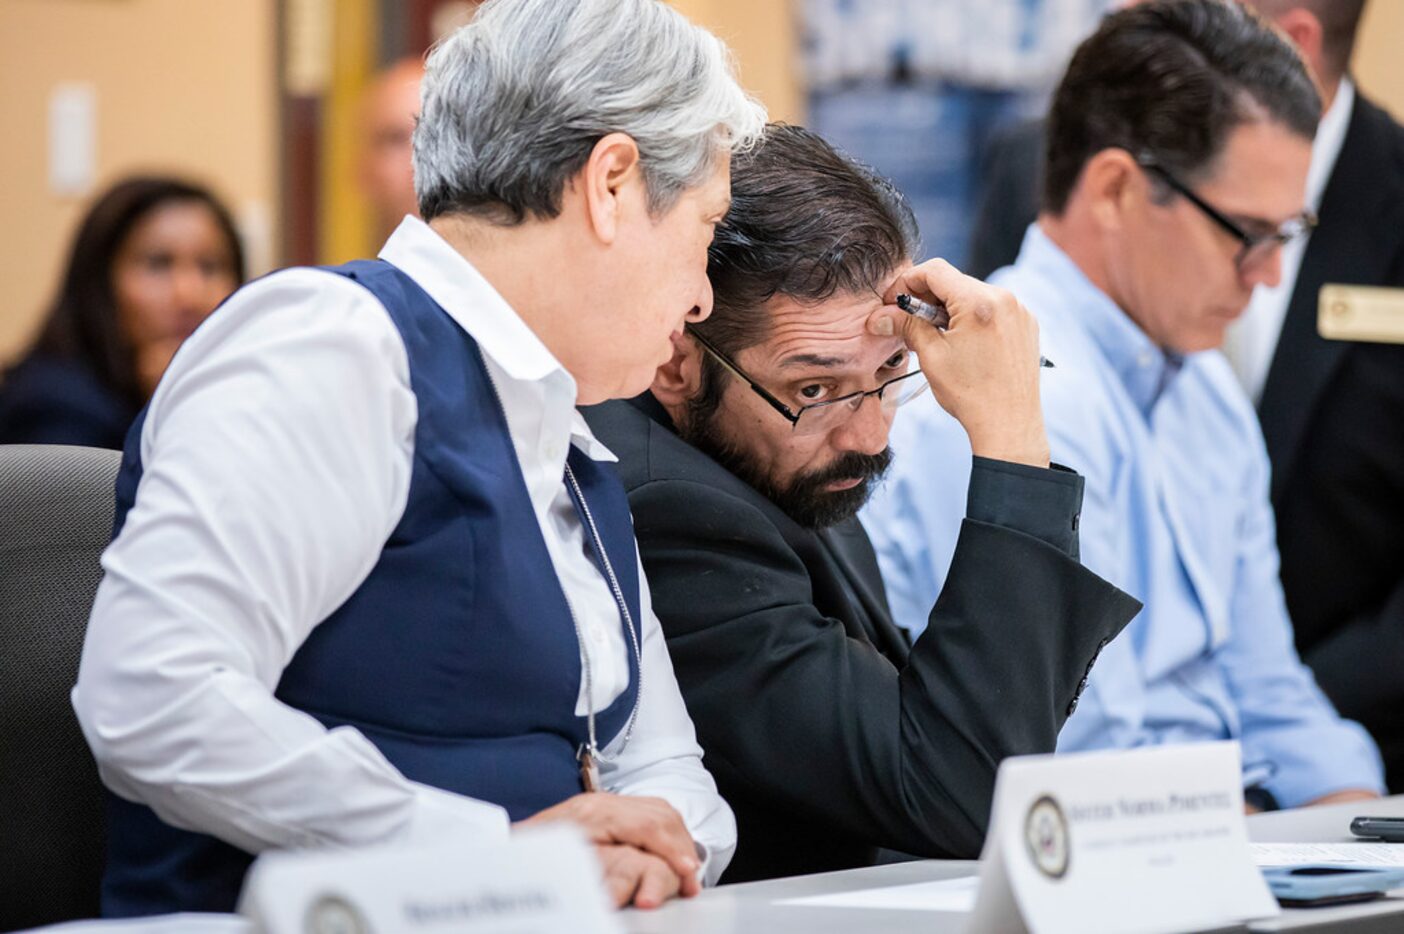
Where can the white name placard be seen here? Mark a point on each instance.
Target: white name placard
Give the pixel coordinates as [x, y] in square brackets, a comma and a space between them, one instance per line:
[545, 880]
[1136, 842]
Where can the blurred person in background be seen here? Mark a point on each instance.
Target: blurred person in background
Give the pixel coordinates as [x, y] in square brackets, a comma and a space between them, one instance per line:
[151, 260]
[386, 172]
[1179, 143]
[916, 88]
[1331, 411]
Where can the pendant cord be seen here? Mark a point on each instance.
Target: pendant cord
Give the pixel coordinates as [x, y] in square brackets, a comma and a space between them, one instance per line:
[624, 613]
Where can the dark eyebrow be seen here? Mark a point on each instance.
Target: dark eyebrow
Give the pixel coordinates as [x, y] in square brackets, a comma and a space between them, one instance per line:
[814, 359]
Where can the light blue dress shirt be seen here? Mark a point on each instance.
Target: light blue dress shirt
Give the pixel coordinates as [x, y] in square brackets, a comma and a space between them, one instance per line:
[1175, 512]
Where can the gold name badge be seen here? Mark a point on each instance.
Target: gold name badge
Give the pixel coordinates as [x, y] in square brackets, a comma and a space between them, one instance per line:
[1360, 313]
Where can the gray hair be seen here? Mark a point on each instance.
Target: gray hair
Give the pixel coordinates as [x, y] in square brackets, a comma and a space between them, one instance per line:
[514, 102]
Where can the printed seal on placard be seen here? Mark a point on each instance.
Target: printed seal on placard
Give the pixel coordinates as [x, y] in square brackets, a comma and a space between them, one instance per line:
[1046, 837]
[334, 914]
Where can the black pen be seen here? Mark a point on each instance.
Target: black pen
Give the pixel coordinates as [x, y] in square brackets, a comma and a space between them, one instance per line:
[939, 317]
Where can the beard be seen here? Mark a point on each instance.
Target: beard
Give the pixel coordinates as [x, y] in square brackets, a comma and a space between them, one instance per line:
[804, 498]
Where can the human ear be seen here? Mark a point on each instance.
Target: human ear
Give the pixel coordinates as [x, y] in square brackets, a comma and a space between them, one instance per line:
[679, 380]
[1111, 181]
[610, 173]
[1304, 30]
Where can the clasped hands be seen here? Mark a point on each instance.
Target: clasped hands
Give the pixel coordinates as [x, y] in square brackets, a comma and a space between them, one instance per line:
[644, 847]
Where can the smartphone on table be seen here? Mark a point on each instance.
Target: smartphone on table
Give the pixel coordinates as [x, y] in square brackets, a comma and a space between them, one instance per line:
[1388, 829]
[1325, 884]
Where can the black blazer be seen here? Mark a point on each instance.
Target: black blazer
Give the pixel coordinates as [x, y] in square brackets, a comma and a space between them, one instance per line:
[827, 734]
[1333, 416]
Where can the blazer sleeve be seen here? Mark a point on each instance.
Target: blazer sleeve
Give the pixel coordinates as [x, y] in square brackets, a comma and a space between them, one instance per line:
[795, 710]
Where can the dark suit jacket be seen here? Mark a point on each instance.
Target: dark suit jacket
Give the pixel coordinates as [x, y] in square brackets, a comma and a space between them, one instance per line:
[47, 400]
[1333, 416]
[826, 733]
[1010, 192]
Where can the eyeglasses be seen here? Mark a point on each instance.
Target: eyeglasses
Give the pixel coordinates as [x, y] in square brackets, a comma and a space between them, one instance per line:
[819, 418]
[1253, 249]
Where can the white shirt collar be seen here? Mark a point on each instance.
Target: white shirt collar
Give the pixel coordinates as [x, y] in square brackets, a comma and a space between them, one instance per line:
[472, 302]
[1330, 137]
[469, 299]
[582, 437]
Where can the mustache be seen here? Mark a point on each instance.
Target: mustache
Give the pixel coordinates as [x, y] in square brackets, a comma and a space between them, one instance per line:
[851, 466]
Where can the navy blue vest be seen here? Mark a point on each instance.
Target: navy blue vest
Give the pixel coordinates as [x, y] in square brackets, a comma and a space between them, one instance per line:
[457, 657]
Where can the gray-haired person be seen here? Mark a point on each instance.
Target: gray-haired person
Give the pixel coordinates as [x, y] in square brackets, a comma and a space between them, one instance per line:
[372, 579]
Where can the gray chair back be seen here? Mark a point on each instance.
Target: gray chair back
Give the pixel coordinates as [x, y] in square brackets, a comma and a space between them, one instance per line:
[56, 508]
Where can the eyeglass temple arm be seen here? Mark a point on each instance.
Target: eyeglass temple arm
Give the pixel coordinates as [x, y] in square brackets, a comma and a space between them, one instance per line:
[757, 388]
[1184, 191]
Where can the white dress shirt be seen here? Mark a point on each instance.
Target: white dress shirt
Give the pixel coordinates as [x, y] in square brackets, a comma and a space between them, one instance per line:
[277, 454]
[1251, 341]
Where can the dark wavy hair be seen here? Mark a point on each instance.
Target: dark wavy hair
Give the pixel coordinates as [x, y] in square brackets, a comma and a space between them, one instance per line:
[82, 324]
[806, 222]
[1171, 79]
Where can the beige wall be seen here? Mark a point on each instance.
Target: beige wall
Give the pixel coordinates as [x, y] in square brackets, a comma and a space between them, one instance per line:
[1379, 66]
[762, 35]
[182, 85]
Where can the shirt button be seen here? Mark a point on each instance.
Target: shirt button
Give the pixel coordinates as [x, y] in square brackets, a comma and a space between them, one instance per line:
[1145, 358]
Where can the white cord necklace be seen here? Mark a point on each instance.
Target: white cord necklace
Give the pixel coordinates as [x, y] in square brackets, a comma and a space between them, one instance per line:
[589, 753]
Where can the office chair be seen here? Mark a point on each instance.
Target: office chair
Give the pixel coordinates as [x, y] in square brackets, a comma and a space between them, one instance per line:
[56, 508]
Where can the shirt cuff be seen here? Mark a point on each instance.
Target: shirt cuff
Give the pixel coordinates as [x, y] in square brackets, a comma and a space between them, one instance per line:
[705, 865]
[1317, 762]
[1045, 502]
[444, 817]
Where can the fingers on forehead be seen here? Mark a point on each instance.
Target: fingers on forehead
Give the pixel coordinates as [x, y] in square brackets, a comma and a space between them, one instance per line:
[934, 278]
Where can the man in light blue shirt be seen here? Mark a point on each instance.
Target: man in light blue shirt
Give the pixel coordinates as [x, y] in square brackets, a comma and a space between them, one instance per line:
[1178, 149]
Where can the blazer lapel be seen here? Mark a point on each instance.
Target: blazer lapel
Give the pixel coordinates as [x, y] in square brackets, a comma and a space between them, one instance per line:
[1303, 362]
[1349, 246]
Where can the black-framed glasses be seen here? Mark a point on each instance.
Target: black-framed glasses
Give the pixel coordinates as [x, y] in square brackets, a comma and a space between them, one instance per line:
[1253, 248]
[822, 417]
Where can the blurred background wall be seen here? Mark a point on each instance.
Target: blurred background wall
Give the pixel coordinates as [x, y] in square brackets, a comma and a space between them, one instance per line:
[259, 99]
[1378, 63]
[184, 86]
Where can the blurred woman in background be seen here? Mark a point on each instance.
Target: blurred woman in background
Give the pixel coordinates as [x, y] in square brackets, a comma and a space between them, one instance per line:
[152, 259]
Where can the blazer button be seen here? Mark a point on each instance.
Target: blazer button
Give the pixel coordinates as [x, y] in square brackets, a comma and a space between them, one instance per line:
[1077, 519]
[1072, 704]
[1092, 661]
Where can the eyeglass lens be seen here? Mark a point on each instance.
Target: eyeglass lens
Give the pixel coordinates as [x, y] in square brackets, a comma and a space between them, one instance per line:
[823, 417]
